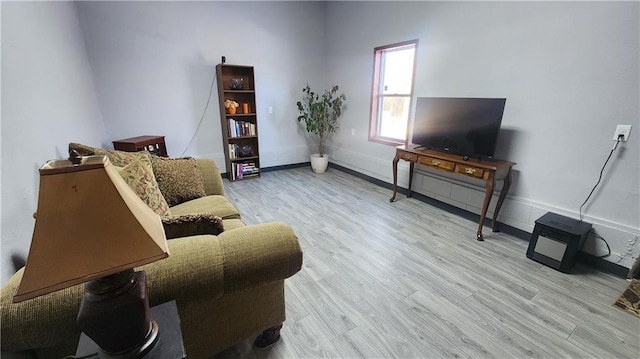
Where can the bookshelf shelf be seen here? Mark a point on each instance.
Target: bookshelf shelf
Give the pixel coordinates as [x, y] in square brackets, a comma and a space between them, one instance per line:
[241, 137]
[240, 115]
[239, 130]
[239, 91]
[241, 159]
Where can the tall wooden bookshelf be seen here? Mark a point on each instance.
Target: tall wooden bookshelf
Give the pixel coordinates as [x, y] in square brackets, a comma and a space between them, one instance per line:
[239, 130]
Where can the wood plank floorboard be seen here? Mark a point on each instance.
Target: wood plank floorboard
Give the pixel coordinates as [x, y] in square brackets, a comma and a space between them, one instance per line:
[409, 280]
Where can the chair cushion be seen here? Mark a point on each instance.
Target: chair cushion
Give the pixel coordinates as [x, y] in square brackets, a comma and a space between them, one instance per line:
[139, 176]
[216, 204]
[179, 179]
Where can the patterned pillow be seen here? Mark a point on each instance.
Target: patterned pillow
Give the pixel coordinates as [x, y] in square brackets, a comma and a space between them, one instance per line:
[178, 178]
[117, 158]
[122, 158]
[139, 176]
[192, 225]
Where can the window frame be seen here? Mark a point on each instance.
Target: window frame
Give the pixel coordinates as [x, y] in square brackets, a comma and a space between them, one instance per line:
[376, 95]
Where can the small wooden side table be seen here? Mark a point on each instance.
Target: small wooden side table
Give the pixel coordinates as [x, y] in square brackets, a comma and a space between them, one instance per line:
[168, 346]
[153, 144]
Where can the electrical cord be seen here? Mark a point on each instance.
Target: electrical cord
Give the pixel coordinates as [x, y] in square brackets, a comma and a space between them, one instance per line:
[599, 178]
[605, 242]
[201, 117]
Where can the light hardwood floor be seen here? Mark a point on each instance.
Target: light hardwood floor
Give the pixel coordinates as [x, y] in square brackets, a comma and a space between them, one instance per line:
[407, 280]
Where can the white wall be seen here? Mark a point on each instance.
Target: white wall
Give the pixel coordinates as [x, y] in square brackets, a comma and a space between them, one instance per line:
[48, 100]
[154, 63]
[569, 71]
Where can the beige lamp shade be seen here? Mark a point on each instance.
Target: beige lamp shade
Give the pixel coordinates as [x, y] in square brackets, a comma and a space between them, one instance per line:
[89, 224]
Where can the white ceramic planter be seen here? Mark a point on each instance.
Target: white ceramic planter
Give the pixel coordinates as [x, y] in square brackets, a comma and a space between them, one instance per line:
[319, 164]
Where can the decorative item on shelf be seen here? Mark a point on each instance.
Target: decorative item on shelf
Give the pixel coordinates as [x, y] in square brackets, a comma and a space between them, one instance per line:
[245, 108]
[246, 151]
[320, 114]
[231, 106]
[102, 249]
[236, 84]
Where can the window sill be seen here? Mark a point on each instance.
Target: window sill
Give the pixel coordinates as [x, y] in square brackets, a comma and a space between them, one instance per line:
[386, 141]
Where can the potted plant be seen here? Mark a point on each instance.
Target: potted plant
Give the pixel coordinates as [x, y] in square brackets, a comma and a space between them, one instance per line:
[320, 114]
[231, 106]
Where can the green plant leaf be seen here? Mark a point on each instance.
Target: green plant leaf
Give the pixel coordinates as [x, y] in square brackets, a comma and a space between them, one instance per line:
[320, 113]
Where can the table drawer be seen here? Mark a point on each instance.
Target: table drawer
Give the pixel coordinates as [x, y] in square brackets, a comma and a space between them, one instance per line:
[435, 162]
[408, 156]
[470, 171]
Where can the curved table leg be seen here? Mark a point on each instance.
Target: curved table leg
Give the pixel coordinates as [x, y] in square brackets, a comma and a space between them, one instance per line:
[503, 194]
[490, 184]
[395, 176]
[411, 166]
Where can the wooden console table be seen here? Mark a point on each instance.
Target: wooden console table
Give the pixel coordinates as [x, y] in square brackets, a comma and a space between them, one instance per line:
[489, 170]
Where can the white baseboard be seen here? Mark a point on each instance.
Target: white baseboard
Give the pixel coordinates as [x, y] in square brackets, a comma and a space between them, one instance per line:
[517, 212]
[269, 158]
[467, 194]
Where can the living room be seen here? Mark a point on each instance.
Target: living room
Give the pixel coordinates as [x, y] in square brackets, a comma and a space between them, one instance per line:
[94, 72]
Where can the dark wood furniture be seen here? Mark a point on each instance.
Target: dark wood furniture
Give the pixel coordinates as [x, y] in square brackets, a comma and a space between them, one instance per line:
[153, 144]
[489, 170]
[239, 129]
[169, 344]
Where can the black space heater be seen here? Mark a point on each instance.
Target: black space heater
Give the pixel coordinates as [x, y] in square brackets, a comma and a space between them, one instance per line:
[556, 240]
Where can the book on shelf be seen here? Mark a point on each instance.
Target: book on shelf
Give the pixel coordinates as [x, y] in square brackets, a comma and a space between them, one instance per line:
[232, 151]
[241, 128]
[240, 170]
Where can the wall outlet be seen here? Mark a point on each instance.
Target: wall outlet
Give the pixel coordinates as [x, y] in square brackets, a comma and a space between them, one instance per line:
[270, 109]
[353, 132]
[623, 130]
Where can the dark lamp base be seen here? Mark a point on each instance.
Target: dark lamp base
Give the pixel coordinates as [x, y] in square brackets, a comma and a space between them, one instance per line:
[115, 314]
[137, 352]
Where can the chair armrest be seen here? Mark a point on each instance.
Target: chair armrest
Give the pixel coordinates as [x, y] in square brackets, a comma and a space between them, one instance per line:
[40, 322]
[211, 176]
[233, 261]
[259, 254]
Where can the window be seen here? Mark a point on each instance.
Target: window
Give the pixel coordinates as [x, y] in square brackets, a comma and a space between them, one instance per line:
[394, 69]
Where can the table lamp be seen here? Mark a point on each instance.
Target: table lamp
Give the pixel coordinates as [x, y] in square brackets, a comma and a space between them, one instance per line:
[91, 227]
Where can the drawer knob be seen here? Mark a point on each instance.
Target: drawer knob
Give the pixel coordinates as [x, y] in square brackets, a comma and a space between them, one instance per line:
[407, 156]
[435, 162]
[470, 170]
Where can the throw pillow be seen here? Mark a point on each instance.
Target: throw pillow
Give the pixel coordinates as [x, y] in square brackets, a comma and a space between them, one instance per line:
[122, 158]
[117, 158]
[83, 150]
[178, 178]
[139, 176]
[192, 225]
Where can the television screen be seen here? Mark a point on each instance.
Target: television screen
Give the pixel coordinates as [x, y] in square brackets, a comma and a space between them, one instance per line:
[464, 126]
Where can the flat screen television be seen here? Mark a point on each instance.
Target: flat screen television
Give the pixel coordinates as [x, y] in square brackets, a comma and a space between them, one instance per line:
[464, 126]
